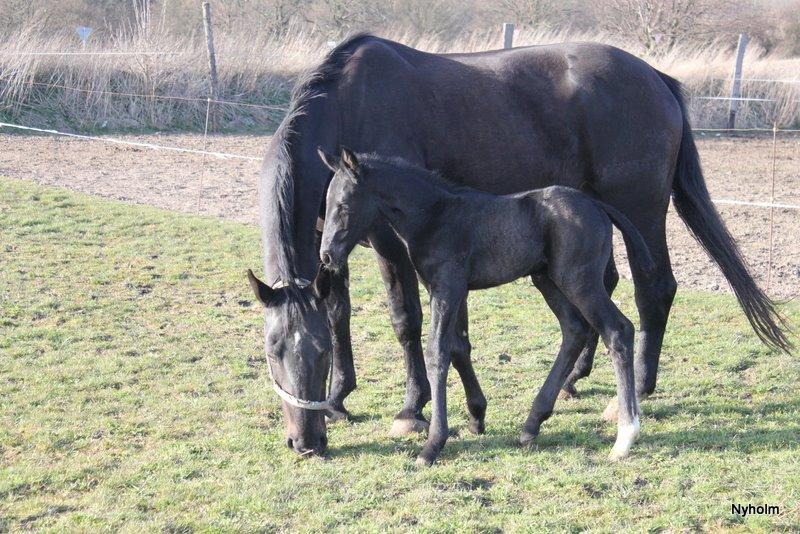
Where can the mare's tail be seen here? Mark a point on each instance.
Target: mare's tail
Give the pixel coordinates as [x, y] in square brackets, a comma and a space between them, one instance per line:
[694, 206]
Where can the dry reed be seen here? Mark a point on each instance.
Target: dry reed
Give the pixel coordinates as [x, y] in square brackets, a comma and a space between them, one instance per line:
[259, 69]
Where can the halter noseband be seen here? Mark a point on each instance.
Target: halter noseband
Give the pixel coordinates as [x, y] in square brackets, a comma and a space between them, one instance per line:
[287, 397]
[291, 400]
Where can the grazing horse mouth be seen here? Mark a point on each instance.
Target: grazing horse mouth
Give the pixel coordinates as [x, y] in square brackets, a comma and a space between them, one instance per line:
[309, 453]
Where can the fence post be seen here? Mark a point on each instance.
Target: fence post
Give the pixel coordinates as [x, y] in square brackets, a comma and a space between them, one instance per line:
[212, 57]
[736, 86]
[508, 35]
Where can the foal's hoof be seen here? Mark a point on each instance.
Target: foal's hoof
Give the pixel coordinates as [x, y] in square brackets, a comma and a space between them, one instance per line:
[611, 411]
[335, 414]
[616, 456]
[406, 427]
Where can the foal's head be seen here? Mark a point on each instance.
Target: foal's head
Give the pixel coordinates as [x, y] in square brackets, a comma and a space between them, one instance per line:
[350, 209]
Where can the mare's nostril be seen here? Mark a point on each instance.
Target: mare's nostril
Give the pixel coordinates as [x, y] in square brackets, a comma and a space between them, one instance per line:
[289, 443]
[326, 258]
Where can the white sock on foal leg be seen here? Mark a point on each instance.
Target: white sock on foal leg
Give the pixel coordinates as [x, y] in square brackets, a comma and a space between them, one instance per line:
[626, 435]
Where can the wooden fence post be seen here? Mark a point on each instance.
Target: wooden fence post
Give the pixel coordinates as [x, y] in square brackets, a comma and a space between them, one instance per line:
[508, 35]
[736, 86]
[212, 57]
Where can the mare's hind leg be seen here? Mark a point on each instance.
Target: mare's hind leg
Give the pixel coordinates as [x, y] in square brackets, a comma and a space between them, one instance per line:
[575, 331]
[617, 334]
[476, 401]
[400, 280]
[585, 361]
[654, 295]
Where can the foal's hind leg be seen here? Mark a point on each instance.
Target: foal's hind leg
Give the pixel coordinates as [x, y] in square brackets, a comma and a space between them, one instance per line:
[476, 401]
[574, 331]
[586, 360]
[617, 333]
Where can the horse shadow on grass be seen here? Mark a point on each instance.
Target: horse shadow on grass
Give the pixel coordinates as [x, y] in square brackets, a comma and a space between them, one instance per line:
[748, 430]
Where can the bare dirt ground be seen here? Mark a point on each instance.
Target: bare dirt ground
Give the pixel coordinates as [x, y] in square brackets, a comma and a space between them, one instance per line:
[736, 168]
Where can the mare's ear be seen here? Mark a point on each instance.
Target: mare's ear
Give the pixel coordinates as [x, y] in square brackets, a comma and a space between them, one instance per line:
[349, 160]
[328, 159]
[263, 292]
[322, 283]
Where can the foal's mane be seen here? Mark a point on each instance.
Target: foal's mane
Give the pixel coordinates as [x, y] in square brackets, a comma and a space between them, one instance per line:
[310, 85]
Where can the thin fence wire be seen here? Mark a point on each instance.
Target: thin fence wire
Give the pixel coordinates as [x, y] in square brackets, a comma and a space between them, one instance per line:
[220, 155]
[737, 98]
[205, 148]
[159, 97]
[772, 199]
[780, 130]
[756, 80]
[225, 155]
[109, 53]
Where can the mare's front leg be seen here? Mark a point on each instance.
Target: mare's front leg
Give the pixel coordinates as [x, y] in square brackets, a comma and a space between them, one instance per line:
[446, 302]
[400, 280]
[343, 379]
[575, 332]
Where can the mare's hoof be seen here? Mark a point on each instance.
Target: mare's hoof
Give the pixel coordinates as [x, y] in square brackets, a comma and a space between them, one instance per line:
[337, 414]
[526, 438]
[610, 413]
[423, 461]
[476, 427]
[568, 392]
[406, 427]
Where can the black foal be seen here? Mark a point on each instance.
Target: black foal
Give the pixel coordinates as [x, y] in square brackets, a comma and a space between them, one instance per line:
[460, 239]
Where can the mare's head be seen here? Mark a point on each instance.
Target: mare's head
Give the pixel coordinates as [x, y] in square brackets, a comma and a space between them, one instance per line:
[297, 343]
[350, 209]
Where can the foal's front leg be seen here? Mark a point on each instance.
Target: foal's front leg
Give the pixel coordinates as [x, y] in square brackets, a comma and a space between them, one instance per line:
[445, 305]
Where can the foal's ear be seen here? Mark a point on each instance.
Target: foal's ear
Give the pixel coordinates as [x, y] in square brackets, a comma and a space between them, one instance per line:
[328, 159]
[322, 283]
[263, 292]
[349, 159]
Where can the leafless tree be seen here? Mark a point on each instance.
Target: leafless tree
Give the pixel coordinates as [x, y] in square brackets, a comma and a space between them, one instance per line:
[533, 13]
[655, 24]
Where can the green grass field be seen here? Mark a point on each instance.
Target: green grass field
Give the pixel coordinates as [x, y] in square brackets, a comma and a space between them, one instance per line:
[134, 396]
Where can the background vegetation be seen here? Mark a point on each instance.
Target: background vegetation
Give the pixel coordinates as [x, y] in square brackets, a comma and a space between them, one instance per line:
[263, 44]
[135, 398]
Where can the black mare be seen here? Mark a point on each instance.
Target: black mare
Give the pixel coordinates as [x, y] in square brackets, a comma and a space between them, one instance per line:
[459, 239]
[581, 115]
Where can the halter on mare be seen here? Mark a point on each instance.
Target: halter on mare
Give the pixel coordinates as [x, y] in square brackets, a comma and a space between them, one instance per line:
[287, 397]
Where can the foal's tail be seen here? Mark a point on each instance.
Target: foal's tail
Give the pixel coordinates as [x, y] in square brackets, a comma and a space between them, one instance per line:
[638, 252]
[693, 204]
